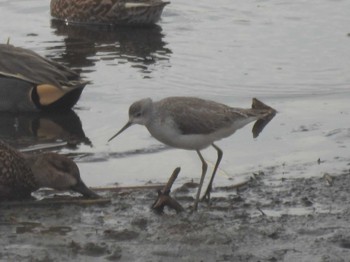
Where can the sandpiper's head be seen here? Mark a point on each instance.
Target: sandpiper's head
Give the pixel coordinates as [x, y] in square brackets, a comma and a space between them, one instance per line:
[139, 113]
[58, 172]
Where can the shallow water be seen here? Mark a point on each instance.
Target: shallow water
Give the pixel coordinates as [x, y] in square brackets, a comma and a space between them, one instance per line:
[293, 55]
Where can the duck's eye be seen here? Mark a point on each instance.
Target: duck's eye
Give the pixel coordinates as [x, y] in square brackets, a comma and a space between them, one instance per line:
[138, 114]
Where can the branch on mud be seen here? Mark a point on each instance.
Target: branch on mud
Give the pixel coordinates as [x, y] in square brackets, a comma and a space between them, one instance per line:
[329, 179]
[121, 188]
[57, 201]
[164, 198]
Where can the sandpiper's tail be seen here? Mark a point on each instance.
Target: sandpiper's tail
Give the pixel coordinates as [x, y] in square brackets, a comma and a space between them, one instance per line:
[267, 114]
[257, 104]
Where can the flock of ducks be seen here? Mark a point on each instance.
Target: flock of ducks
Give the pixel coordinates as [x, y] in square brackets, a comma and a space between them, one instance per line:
[29, 82]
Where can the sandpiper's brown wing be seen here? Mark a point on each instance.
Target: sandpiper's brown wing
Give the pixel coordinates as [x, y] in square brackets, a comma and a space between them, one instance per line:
[14, 172]
[198, 116]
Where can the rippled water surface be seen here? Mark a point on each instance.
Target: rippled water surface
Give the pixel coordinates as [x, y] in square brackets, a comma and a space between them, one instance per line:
[293, 55]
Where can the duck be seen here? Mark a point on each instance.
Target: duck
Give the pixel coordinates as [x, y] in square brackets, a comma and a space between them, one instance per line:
[32, 83]
[108, 12]
[21, 174]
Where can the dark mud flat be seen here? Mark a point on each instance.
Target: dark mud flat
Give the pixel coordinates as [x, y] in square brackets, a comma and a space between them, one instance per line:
[286, 220]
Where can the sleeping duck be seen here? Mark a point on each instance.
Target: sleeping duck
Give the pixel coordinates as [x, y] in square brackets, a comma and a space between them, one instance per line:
[29, 82]
[108, 12]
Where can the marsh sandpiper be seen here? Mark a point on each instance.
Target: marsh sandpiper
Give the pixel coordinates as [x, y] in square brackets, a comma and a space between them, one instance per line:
[192, 123]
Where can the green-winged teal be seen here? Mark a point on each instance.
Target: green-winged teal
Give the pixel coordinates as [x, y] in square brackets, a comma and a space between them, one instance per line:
[194, 124]
[21, 174]
[29, 82]
[110, 12]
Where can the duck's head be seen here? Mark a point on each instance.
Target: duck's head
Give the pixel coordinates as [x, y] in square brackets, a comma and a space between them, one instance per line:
[139, 113]
[58, 172]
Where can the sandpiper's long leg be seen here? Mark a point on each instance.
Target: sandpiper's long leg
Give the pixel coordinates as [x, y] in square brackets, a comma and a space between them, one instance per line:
[206, 196]
[204, 171]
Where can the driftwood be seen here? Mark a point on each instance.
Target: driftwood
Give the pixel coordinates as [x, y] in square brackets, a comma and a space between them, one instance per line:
[113, 188]
[68, 200]
[121, 188]
[235, 186]
[57, 201]
[164, 198]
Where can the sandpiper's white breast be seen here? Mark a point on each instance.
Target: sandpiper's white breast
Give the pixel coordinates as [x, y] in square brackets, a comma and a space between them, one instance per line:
[170, 135]
[167, 131]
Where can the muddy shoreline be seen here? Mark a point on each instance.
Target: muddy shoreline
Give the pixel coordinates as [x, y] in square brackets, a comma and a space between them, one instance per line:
[304, 219]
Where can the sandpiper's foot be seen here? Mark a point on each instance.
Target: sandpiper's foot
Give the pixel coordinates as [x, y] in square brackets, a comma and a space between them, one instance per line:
[206, 196]
[195, 206]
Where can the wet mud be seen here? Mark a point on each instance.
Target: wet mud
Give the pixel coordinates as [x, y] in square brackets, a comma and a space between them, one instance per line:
[301, 219]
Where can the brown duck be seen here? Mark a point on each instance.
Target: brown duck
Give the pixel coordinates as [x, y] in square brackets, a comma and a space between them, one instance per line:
[21, 174]
[110, 12]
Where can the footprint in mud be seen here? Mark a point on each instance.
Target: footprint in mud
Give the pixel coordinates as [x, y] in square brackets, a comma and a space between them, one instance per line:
[27, 227]
[116, 254]
[343, 242]
[97, 250]
[122, 235]
[92, 249]
[62, 230]
[89, 249]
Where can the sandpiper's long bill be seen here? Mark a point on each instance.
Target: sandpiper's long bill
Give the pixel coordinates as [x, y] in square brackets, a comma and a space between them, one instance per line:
[194, 124]
[128, 124]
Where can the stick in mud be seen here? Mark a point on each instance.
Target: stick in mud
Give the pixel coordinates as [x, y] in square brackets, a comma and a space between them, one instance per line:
[164, 198]
[57, 201]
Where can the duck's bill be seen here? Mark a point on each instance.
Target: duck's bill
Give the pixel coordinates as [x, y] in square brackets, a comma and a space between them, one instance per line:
[81, 188]
[128, 124]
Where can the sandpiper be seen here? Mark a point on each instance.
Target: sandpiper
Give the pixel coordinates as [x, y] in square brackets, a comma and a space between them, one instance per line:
[21, 174]
[194, 124]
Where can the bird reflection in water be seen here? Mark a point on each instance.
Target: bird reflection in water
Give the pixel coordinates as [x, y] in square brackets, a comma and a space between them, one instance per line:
[140, 46]
[42, 130]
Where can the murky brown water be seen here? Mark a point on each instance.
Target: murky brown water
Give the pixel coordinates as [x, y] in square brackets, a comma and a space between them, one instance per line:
[292, 55]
